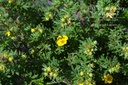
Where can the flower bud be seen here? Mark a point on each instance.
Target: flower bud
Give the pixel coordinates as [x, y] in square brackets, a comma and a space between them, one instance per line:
[32, 30]
[10, 59]
[81, 73]
[47, 18]
[51, 74]
[54, 75]
[23, 56]
[45, 74]
[48, 69]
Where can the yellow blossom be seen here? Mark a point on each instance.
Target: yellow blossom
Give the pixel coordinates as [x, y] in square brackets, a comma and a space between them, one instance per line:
[65, 37]
[8, 33]
[113, 9]
[108, 79]
[32, 30]
[61, 40]
[109, 15]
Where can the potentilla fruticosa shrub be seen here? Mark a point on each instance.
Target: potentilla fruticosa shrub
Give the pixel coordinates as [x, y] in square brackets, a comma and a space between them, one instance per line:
[63, 42]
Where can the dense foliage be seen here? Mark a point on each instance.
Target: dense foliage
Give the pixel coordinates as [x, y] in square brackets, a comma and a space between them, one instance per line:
[63, 42]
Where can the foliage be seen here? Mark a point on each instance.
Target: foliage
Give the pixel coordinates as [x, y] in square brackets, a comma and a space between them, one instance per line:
[63, 42]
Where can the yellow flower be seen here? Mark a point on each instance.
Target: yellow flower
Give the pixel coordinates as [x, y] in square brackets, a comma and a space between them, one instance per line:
[81, 73]
[65, 37]
[8, 33]
[61, 40]
[81, 84]
[109, 15]
[32, 30]
[10, 59]
[2, 67]
[10, 1]
[108, 79]
[113, 9]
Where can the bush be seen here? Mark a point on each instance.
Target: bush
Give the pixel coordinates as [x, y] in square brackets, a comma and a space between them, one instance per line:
[63, 42]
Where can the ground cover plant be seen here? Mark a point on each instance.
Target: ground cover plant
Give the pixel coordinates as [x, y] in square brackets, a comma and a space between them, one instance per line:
[63, 42]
